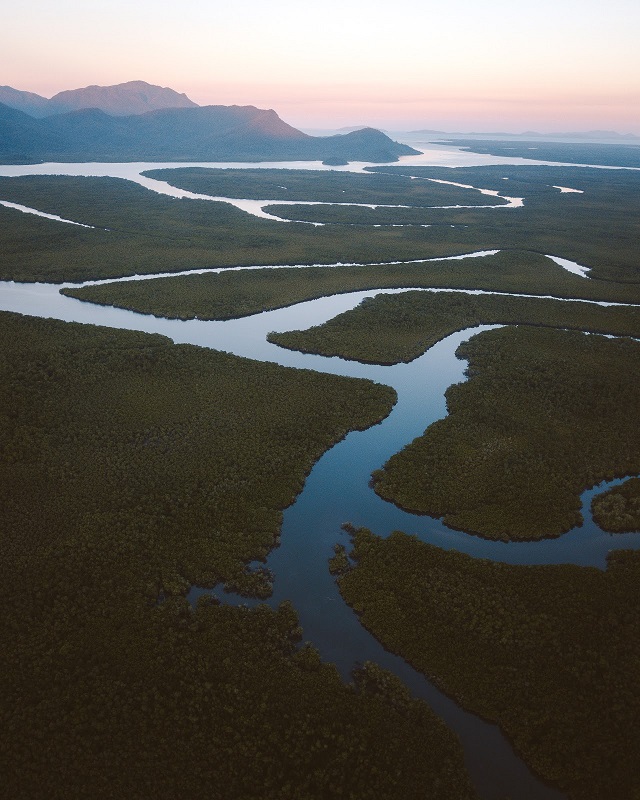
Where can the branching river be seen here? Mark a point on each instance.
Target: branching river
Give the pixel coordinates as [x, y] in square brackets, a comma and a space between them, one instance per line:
[337, 491]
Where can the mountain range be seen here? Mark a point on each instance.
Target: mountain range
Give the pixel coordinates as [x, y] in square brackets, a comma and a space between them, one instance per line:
[134, 97]
[137, 121]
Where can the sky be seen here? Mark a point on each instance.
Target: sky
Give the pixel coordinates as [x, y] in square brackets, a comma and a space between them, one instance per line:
[453, 65]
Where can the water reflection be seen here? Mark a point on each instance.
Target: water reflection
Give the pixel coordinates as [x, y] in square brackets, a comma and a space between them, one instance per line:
[420, 386]
[337, 491]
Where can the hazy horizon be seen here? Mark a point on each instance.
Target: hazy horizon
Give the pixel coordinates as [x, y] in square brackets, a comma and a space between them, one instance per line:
[457, 66]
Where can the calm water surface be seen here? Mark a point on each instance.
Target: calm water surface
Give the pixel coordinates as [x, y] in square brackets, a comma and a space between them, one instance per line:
[337, 490]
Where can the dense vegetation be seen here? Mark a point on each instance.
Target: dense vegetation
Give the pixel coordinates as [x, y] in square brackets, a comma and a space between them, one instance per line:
[545, 414]
[149, 233]
[314, 186]
[598, 228]
[548, 652]
[378, 216]
[618, 510]
[132, 467]
[240, 293]
[390, 328]
[613, 155]
[140, 232]
[203, 450]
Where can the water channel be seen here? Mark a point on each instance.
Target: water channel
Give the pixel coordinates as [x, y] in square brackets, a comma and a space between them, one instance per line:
[337, 490]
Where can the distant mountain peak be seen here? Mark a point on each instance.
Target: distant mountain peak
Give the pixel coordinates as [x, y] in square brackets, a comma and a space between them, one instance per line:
[120, 123]
[29, 103]
[121, 100]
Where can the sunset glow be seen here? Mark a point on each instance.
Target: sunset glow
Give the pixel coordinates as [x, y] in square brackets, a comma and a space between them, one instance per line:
[460, 65]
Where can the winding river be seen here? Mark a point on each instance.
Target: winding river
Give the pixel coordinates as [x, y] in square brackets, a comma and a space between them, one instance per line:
[337, 491]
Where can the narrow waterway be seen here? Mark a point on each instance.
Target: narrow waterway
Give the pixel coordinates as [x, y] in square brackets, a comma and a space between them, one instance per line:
[255, 207]
[337, 491]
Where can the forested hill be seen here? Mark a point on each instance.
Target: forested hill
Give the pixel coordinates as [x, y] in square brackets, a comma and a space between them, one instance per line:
[200, 133]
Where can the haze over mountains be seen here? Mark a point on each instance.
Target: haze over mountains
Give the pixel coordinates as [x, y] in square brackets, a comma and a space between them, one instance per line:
[141, 122]
[134, 97]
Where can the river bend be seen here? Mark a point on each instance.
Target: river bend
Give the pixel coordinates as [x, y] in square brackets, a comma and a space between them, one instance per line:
[337, 489]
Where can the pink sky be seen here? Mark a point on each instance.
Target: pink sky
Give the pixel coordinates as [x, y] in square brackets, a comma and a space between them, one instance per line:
[553, 65]
[557, 111]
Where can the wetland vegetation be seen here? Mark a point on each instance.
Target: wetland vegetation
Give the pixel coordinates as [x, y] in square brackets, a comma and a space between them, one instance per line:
[139, 232]
[613, 155]
[227, 295]
[598, 227]
[618, 510]
[186, 454]
[548, 652]
[132, 468]
[545, 414]
[407, 324]
[318, 187]
[148, 233]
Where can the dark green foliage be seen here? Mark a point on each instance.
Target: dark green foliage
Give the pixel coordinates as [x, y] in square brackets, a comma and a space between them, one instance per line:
[140, 232]
[236, 294]
[615, 155]
[132, 467]
[618, 510]
[407, 324]
[598, 229]
[339, 562]
[314, 186]
[148, 233]
[356, 216]
[545, 415]
[548, 652]
[192, 454]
